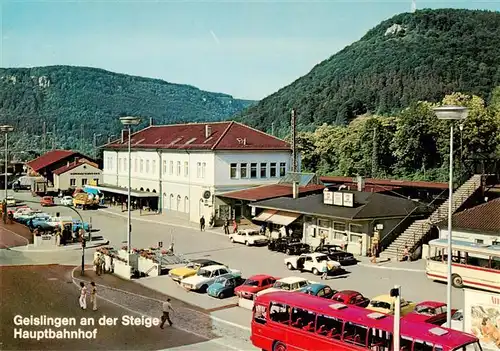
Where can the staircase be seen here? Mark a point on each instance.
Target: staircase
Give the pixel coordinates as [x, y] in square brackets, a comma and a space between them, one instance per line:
[417, 231]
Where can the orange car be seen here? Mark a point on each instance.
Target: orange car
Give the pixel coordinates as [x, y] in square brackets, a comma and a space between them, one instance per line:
[47, 201]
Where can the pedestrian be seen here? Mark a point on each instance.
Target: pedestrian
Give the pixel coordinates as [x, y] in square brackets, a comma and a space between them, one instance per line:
[167, 308]
[102, 264]
[226, 226]
[374, 253]
[406, 254]
[83, 296]
[93, 296]
[97, 264]
[171, 248]
[344, 243]
[235, 226]
[202, 223]
[324, 269]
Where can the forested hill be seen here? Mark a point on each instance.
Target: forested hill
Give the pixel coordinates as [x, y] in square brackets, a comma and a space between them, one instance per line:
[410, 57]
[72, 98]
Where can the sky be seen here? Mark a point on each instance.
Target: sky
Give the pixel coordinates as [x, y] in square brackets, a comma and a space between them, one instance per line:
[248, 49]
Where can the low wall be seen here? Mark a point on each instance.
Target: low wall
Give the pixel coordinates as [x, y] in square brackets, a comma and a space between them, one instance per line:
[245, 303]
[148, 267]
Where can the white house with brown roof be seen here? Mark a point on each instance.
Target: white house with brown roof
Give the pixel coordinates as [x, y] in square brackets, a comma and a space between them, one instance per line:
[186, 165]
[479, 224]
[77, 174]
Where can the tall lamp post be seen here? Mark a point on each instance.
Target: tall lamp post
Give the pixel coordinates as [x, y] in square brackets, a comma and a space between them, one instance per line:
[451, 113]
[94, 143]
[128, 122]
[6, 129]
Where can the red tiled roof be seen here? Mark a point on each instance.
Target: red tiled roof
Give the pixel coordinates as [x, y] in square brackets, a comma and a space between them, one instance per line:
[191, 136]
[72, 165]
[387, 182]
[481, 218]
[265, 192]
[49, 158]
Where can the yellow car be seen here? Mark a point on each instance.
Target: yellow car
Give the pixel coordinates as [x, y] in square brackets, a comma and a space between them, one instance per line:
[177, 274]
[385, 304]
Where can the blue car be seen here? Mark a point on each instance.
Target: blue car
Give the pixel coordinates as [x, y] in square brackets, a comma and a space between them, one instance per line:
[77, 224]
[320, 290]
[224, 286]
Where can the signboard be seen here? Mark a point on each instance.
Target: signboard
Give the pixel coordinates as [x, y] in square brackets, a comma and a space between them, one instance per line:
[338, 199]
[481, 317]
[327, 197]
[348, 199]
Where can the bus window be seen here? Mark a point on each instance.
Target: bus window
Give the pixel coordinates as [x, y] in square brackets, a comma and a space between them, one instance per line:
[478, 262]
[355, 334]
[279, 313]
[329, 326]
[405, 344]
[303, 319]
[379, 340]
[259, 315]
[495, 263]
[422, 346]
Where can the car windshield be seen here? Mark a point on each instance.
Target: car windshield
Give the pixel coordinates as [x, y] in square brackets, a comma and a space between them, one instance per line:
[338, 298]
[192, 265]
[253, 233]
[423, 309]
[322, 258]
[281, 285]
[221, 281]
[458, 316]
[204, 273]
[380, 304]
[251, 282]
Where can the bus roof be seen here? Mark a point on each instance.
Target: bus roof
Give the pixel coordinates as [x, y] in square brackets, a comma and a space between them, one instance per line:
[415, 330]
[466, 245]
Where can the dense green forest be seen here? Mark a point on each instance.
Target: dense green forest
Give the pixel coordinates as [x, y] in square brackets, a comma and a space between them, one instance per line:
[78, 100]
[412, 145]
[408, 58]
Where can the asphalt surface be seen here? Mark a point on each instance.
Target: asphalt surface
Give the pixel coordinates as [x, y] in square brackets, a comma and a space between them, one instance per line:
[51, 291]
[14, 234]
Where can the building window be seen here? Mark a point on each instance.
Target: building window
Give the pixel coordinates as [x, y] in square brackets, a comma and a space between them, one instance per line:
[178, 168]
[203, 170]
[154, 166]
[147, 166]
[96, 181]
[234, 170]
[282, 169]
[135, 165]
[243, 170]
[263, 170]
[479, 241]
[253, 170]
[323, 223]
[171, 202]
[84, 181]
[356, 228]
[356, 238]
[338, 230]
[273, 170]
[142, 166]
[186, 169]
[125, 163]
[171, 168]
[178, 202]
[164, 167]
[72, 182]
[198, 170]
[186, 204]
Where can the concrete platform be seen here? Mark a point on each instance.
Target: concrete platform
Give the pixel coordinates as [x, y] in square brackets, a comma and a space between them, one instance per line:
[167, 286]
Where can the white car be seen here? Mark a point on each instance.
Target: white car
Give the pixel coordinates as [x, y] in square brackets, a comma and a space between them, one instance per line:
[10, 201]
[457, 321]
[286, 284]
[23, 211]
[56, 221]
[311, 262]
[67, 201]
[207, 276]
[248, 237]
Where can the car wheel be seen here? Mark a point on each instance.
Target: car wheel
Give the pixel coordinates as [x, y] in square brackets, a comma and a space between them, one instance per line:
[288, 251]
[315, 271]
[221, 295]
[204, 288]
[289, 266]
[457, 281]
[278, 346]
[247, 243]
[231, 240]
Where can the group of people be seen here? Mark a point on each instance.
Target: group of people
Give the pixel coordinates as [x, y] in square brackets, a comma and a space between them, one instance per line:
[82, 300]
[99, 263]
[226, 224]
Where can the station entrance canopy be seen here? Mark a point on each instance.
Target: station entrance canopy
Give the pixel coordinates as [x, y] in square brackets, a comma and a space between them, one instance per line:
[277, 217]
[122, 191]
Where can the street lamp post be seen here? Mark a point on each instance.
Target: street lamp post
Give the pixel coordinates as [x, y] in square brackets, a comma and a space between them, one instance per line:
[453, 113]
[128, 122]
[6, 129]
[94, 144]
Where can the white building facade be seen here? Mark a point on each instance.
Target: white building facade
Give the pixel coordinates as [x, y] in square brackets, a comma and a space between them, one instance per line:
[186, 174]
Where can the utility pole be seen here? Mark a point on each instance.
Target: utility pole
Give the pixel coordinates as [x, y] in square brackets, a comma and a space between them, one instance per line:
[374, 153]
[293, 127]
[44, 137]
[53, 136]
[81, 138]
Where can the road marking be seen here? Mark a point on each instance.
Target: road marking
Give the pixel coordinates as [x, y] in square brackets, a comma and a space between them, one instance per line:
[392, 268]
[142, 314]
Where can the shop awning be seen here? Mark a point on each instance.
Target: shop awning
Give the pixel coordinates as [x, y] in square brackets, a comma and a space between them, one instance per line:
[283, 218]
[122, 191]
[265, 215]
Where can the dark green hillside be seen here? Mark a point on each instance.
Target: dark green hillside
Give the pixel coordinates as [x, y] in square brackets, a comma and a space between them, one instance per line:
[72, 97]
[408, 58]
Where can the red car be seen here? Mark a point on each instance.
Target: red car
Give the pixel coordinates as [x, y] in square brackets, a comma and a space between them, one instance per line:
[253, 285]
[429, 312]
[351, 297]
[47, 201]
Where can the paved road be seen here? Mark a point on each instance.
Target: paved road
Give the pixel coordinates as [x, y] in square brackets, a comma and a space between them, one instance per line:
[50, 291]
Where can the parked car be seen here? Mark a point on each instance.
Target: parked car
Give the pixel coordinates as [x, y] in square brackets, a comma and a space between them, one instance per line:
[177, 274]
[67, 201]
[77, 225]
[40, 222]
[286, 284]
[20, 211]
[10, 201]
[206, 276]
[385, 304]
[311, 262]
[248, 237]
[335, 253]
[320, 290]
[433, 312]
[24, 218]
[290, 246]
[351, 297]
[457, 321]
[224, 286]
[253, 285]
[47, 201]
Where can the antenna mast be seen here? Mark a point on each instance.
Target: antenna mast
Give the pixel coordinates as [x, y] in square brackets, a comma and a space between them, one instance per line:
[293, 127]
[413, 6]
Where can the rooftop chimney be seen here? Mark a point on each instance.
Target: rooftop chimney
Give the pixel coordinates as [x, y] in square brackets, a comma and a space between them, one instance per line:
[208, 131]
[151, 121]
[361, 183]
[295, 186]
[124, 135]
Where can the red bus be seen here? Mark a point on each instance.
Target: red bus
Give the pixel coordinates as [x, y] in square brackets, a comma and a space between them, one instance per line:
[285, 321]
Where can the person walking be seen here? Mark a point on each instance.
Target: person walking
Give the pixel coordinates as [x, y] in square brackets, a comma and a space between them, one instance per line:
[83, 296]
[226, 226]
[324, 269]
[202, 223]
[97, 264]
[235, 226]
[93, 296]
[344, 243]
[167, 308]
[102, 264]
